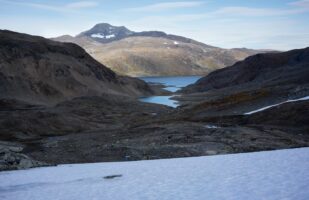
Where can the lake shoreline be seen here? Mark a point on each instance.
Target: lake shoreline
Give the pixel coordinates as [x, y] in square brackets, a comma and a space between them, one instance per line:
[168, 83]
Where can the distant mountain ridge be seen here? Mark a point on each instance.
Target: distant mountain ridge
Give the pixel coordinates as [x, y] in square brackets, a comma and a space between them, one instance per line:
[105, 33]
[153, 53]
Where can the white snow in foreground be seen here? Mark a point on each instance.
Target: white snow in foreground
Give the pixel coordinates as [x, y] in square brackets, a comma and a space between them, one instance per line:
[270, 106]
[176, 43]
[273, 175]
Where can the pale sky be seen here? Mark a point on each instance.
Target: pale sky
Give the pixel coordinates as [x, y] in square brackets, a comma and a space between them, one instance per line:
[259, 24]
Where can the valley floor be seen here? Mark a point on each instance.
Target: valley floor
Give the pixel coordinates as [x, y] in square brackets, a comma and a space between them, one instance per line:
[281, 174]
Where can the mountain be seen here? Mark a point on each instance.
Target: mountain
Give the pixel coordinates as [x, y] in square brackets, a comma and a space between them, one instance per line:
[262, 70]
[153, 53]
[105, 33]
[272, 82]
[36, 69]
[50, 89]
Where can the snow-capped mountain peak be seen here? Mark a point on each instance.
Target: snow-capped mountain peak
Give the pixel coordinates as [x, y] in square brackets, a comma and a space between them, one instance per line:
[105, 32]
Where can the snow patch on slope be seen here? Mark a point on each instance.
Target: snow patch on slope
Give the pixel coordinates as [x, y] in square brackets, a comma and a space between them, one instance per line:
[110, 36]
[270, 106]
[97, 35]
[212, 127]
[274, 175]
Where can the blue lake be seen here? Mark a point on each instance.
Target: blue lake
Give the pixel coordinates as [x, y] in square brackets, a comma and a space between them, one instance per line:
[171, 83]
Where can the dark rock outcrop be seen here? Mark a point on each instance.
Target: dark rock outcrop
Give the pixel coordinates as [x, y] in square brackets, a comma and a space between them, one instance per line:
[11, 157]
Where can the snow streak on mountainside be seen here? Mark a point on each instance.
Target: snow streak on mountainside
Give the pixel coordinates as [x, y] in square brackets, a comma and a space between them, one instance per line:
[267, 107]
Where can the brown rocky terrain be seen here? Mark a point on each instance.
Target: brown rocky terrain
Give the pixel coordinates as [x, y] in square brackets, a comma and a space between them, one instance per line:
[230, 94]
[99, 130]
[153, 56]
[153, 53]
[38, 128]
[261, 70]
[38, 70]
[258, 81]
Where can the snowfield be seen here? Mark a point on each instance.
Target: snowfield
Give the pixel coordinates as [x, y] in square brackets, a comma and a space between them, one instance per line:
[272, 175]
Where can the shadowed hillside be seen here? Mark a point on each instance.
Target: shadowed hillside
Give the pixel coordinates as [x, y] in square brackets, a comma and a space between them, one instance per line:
[37, 70]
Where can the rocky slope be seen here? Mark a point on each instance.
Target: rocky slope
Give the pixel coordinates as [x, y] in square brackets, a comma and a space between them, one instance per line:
[263, 70]
[38, 70]
[153, 53]
[259, 81]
